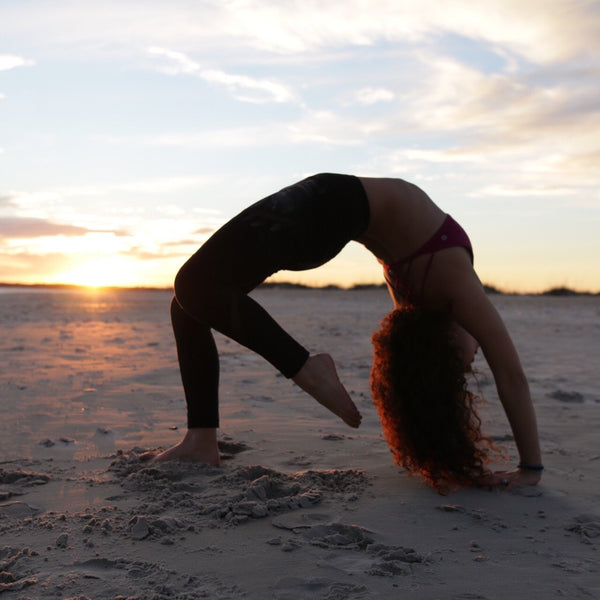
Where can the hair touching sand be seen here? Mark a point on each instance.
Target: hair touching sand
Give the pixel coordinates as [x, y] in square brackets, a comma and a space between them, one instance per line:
[428, 416]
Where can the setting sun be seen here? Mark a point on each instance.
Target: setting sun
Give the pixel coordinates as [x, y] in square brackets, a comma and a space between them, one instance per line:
[103, 272]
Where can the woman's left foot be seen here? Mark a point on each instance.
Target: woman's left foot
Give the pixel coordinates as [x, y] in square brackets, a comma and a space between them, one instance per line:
[198, 445]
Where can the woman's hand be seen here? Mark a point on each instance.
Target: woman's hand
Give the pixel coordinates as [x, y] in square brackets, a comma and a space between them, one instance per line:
[508, 480]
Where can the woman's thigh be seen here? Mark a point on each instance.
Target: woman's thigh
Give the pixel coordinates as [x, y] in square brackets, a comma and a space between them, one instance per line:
[300, 227]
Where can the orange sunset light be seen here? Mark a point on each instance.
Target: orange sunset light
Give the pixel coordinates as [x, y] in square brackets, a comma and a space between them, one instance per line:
[101, 272]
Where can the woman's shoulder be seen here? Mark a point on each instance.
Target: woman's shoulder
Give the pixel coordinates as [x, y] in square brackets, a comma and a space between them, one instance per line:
[388, 196]
[386, 189]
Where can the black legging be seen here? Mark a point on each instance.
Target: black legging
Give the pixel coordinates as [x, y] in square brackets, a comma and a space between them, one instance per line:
[298, 228]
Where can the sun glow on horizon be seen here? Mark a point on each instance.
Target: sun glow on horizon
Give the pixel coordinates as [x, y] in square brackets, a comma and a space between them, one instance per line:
[127, 272]
[101, 272]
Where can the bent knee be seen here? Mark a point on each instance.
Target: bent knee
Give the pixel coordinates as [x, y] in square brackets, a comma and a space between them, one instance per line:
[181, 283]
[195, 289]
[190, 283]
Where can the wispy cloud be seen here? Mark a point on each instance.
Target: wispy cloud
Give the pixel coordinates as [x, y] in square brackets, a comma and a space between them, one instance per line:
[178, 62]
[204, 230]
[29, 227]
[32, 267]
[36, 203]
[371, 95]
[447, 155]
[242, 87]
[540, 30]
[321, 127]
[6, 201]
[508, 191]
[151, 185]
[249, 89]
[10, 61]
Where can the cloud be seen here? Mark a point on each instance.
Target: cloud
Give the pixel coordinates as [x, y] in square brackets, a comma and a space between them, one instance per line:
[242, 87]
[374, 95]
[156, 185]
[514, 191]
[234, 137]
[319, 127]
[447, 155]
[541, 112]
[6, 201]
[543, 31]
[180, 63]
[505, 111]
[10, 61]
[580, 162]
[28, 267]
[248, 89]
[28, 227]
[150, 186]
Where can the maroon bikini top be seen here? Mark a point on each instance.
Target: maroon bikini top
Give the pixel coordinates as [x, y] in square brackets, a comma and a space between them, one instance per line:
[449, 235]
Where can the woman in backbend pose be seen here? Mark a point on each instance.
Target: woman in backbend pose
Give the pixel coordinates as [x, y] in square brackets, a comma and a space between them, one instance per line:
[422, 350]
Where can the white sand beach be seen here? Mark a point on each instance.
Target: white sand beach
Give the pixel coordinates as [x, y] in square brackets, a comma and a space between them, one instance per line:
[303, 506]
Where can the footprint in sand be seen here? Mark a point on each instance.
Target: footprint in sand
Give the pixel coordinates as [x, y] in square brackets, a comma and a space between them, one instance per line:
[121, 577]
[587, 527]
[361, 553]
[292, 588]
[567, 397]
[17, 510]
[13, 578]
[228, 448]
[24, 478]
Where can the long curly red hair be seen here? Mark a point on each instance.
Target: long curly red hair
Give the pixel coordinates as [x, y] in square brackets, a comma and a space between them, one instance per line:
[428, 415]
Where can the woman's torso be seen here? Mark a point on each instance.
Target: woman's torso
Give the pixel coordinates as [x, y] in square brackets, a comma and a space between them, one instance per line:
[402, 219]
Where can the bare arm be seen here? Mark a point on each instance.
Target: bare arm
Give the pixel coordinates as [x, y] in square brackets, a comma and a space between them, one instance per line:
[472, 310]
[479, 317]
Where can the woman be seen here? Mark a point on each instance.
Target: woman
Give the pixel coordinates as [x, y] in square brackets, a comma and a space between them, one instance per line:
[426, 411]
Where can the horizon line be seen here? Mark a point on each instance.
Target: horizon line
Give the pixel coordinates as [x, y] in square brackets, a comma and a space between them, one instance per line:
[490, 289]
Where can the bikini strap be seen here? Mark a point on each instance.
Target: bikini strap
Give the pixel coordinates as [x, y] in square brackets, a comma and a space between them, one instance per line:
[427, 268]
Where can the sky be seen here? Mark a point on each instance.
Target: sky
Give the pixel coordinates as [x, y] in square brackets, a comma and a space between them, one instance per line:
[130, 130]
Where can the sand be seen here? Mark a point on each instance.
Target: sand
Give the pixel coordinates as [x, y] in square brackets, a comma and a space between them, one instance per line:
[303, 506]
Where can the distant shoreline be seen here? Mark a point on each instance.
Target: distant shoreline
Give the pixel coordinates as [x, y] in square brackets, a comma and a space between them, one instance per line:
[555, 291]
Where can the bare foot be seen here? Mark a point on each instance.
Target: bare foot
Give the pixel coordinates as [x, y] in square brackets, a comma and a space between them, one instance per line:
[198, 445]
[318, 378]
